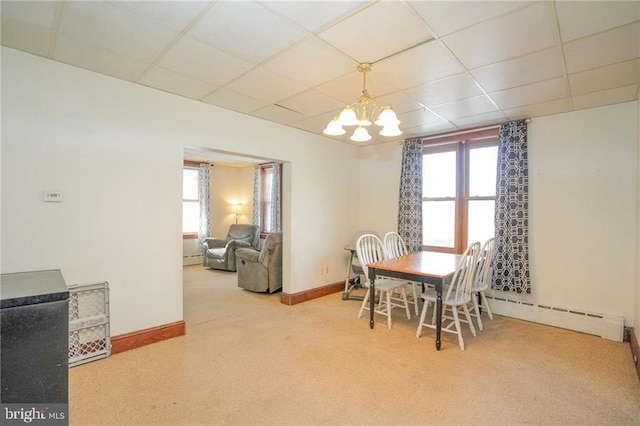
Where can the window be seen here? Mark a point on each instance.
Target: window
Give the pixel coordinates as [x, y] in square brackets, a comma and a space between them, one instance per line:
[268, 189]
[190, 201]
[458, 190]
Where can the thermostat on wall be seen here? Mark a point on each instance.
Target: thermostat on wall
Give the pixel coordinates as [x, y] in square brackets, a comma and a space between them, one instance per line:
[52, 196]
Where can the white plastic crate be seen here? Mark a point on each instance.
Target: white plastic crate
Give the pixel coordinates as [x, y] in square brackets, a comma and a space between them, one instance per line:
[89, 337]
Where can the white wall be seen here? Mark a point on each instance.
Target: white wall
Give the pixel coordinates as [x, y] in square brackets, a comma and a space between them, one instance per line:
[636, 322]
[115, 150]
[230, 185]
[583, 174]
[583, 211]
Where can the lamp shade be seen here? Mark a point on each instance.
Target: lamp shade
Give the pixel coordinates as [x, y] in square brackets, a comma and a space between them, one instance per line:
[334, 128]
[236, 208]
[348, 117]
[387, 117]
[360, 135]
[390, 130]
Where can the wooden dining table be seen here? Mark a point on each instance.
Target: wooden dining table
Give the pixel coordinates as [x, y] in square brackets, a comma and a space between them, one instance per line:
[425, 267]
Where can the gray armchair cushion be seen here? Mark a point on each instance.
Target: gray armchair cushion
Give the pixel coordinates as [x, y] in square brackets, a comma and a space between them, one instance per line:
[261, 271]
[221, 254]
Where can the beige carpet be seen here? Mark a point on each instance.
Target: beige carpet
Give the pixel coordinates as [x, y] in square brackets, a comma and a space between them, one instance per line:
[248, 360]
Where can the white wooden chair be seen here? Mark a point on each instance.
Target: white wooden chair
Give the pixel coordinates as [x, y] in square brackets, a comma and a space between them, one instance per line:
[458, 295]
[481, 281]
[396, 247]
[370, 249]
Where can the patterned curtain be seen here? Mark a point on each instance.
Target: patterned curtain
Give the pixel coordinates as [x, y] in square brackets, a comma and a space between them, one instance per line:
[410, 199]
[257, 184]
[274, 226]
[204, 195]
[511, 256]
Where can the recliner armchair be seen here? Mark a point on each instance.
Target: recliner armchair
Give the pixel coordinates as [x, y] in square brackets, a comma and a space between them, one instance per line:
[261, 271]
[221, 254]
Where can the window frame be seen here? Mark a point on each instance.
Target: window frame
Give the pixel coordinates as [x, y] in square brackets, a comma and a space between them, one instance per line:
[263, 185]
[461, 143]
[191, 165]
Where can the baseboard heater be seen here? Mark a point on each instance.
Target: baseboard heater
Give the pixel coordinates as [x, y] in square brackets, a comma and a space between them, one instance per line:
[192, 259]
[607, 326]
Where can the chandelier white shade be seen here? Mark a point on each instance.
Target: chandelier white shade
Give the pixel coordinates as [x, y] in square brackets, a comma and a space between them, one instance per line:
[363, 114]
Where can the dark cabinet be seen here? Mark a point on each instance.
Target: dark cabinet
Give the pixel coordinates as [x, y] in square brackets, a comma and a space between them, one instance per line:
[34, 337]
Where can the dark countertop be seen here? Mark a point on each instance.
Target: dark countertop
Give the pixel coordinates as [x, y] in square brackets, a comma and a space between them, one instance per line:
[28, 288]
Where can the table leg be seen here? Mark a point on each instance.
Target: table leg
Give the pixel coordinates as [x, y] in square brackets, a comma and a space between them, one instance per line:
[372, 295]
[438, 314]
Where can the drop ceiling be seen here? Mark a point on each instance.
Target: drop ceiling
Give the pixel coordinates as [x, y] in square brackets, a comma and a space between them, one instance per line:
[443, 66]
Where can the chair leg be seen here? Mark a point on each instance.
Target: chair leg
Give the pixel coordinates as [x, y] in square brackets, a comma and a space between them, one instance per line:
[388, 309]
[406, 302]
[476, 309]
[425, 306]
[456, 320]
[485, 304]
[466, 314]
[415, 297]
[364, 302]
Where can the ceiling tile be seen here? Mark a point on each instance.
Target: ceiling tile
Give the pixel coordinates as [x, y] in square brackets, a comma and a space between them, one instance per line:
[314, 124]
[530, 94]
[505, 37]
[25, 36]
[465, 107]
[229, 99]
[380, 30]
[170, 81]
[606, 97]
[399, 102]
[582, 18]
[278, 114]
[527, 69]
[312, 62]
[537, 110]
[609, 77]
[312, 103]
[314, 15]
[348, 88]
[419, 65]
[245, 29]
[41, 13]
[605, 48]
[429, 129]
[493, 117]
[114, 28]
[174, 14]
[196, 60]
[448, 89]
[446, 17]
[289, 61]
[84, 55]
[265, 85]
[421, 117]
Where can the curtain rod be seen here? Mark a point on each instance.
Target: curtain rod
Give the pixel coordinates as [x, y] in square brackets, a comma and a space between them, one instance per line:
[461, 132]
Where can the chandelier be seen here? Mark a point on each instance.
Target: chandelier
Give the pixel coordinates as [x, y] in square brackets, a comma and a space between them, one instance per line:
[362, 114]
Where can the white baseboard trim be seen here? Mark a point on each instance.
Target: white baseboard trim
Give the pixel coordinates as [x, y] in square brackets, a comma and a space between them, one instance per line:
[607, 326]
